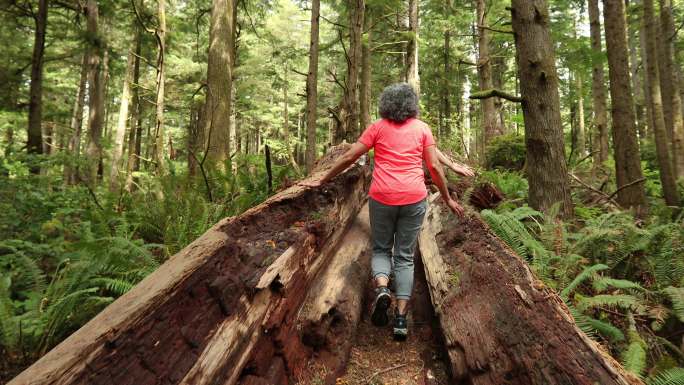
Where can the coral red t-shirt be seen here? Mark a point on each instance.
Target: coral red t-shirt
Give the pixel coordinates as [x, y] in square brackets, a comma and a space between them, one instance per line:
[398, 177]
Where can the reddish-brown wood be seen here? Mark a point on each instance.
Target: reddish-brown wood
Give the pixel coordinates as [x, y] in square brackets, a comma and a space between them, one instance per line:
[500, 325]
[198, 318]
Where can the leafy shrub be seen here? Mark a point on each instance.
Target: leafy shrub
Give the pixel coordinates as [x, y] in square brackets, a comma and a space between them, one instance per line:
[506, 152]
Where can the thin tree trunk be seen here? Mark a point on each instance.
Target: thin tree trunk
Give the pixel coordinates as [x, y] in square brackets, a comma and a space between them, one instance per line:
[445, 121]
[625, 142]
[546, 168]
[96, 85]
[366, 75]
[286, 124]
[136, 120]
[412, 75]
[35, 117]
[121, 123]
[76, 126]
[656, 106]
[219, 82]
[672, 102]
[491, 123]
[581, 137]
[160, 34]
[598, 88]
[312, 87]
[637, 81]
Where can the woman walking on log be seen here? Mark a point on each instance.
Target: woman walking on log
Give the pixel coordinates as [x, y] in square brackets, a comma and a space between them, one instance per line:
[397, 196]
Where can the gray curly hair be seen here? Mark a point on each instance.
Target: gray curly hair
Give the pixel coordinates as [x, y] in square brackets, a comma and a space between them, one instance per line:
[398, 102]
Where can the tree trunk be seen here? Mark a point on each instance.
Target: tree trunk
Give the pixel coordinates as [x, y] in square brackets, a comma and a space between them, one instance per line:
[225, 305]
[412, 75]
[637, 76]
[219, 82]
[96, 90]
[672, 102]
[349, 128]
[656, 106]
[76, 125]
[160, 34]
[598, 88]
[500, 324]
[625, 142]
[445, 121]
[286, 123]
[491, 123]
[120, 131]
[35, 116]
[312, 87]
[545, 164]
[366, 78]
[581, 137]
[135, 132]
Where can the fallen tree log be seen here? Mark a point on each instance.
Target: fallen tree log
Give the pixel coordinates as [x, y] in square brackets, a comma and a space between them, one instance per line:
[235, 290]
[500, 325]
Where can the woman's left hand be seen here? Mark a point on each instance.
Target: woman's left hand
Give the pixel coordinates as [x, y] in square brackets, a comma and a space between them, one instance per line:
[464, 170]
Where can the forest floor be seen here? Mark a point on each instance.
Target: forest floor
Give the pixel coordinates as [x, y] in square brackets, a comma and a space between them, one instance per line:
[376, 358]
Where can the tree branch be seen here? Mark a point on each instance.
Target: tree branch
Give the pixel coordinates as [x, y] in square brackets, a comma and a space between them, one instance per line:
[495, 93]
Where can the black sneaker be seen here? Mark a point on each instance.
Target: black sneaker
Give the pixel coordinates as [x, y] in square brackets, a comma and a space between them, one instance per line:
[400, 327]
[380, 306]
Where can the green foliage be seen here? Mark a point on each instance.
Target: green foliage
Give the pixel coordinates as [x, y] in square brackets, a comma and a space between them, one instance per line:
[673, 376]
[506, 152]
[512, 184]
[634, 358]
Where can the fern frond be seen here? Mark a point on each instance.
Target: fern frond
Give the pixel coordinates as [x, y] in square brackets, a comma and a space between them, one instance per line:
[676, 295]
[674, 376]
[634, 358]
[603, 283]
[623, 301]
[581, 277]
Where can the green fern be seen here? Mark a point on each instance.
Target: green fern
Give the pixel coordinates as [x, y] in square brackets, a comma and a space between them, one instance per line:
[623, 301]
[583, 276]
[634, 358]
[676, 295]
[603, 283]
[673, 376]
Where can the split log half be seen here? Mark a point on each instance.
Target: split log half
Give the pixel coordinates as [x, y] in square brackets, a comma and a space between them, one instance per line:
[197, 319]
[500, 325]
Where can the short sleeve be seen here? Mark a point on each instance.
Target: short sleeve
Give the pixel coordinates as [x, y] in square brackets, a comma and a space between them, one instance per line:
[369, 135]
[428, 140]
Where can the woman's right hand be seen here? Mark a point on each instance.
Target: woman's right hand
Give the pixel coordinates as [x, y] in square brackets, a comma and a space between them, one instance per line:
[455, 208]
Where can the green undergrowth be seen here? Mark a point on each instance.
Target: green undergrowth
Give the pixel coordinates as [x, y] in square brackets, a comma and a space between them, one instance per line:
[66, 252]
[622, 278]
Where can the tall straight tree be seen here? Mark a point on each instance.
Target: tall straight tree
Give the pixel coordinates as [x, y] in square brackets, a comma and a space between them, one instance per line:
[598, 88]
[76, 125]
[366, 79]
[120, 129]
[135, 133]
[412, 76]
[349, 121]
[160, 34]
[656, 107]
[672, 100]
[96, 89]
[445, 116]
[546, 168]
[35, 117]
[219, 82]
[491, 119]
[626, 145]
[312, 86]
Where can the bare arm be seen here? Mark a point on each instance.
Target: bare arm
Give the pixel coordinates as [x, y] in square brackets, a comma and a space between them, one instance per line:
[457, 168]
[434, 166]
[355, 151]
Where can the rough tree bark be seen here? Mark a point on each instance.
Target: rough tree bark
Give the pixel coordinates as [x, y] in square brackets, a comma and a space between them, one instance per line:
[134, 140]
[625, 142]
[348, 127]
[96, 90]
[35, 115]
[160, 35]
[445, 115]
[545, 164]
[219, 82]
[222, 308]
[598, 88]
[76, 125]
[500, 324]
[672, 101]
[312, 86]
[412, 75]
[491, 119]
[366, 78]
[120, 131]
[656, 106]
[636, 69]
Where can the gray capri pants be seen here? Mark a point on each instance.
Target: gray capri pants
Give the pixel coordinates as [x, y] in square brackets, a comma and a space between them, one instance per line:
[395, 227]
